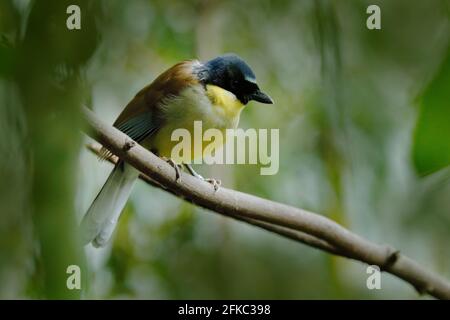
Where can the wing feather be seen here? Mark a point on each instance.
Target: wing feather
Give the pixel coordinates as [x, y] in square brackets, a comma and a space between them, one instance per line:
[143, 116]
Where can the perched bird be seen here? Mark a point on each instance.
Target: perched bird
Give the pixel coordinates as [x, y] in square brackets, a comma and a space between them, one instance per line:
[214, 92]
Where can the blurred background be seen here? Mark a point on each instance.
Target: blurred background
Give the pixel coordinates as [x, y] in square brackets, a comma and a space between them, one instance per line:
[364, 119]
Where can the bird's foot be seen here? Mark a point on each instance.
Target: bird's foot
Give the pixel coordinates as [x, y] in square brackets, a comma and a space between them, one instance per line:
[177, 167]
[215, 182]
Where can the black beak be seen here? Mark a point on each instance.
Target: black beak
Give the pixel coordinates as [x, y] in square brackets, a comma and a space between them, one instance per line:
[261, 97]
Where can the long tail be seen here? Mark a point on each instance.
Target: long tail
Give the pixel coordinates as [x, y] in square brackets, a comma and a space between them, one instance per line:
[100, 220]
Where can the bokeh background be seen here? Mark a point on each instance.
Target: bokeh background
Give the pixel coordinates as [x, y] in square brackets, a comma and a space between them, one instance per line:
[364, 119]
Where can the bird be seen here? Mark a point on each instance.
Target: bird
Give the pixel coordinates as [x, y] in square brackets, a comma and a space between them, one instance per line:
[214, 92]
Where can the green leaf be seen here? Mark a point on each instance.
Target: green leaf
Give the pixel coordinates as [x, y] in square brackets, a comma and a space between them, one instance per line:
[431, 150]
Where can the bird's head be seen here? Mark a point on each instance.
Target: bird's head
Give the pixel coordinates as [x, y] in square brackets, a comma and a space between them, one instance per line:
[231, 73]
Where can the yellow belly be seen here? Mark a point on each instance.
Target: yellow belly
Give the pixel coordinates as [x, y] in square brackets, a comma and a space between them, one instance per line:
[219, 109]
[163, 145]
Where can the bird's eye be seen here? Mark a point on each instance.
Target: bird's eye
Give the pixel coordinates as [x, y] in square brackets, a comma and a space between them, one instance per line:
[235, 83]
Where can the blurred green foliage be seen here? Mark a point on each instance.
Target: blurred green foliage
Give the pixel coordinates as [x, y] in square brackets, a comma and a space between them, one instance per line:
[432, 140]
[350, 133]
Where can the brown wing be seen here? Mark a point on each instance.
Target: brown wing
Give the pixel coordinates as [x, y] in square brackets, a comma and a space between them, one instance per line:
[142, 115]
[170, 83]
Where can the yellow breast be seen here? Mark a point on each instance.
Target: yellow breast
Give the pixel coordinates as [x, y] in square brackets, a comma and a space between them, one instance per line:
[214, 107]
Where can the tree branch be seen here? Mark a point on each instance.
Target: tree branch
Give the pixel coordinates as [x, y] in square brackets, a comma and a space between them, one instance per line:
[288, 221]
[285, 232]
